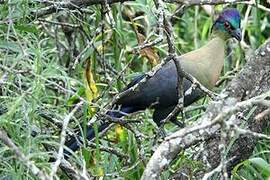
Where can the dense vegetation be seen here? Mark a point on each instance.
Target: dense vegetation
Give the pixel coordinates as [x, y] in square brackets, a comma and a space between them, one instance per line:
[80, 58]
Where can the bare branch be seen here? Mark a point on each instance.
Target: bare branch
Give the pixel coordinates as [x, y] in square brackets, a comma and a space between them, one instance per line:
[63, 139]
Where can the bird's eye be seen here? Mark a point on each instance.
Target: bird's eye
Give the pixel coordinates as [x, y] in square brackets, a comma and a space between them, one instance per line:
[227, 25]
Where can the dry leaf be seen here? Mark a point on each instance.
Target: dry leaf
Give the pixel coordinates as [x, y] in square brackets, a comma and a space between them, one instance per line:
[147, 52]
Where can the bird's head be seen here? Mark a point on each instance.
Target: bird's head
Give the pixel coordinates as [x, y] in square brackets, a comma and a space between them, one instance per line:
[228, 23]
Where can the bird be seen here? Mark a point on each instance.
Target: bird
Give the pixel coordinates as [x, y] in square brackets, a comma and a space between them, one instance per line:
[159, 92]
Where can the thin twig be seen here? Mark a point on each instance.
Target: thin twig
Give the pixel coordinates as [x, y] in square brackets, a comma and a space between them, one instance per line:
[60, 155]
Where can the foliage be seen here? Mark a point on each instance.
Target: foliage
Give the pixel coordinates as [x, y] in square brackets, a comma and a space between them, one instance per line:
[48, 64]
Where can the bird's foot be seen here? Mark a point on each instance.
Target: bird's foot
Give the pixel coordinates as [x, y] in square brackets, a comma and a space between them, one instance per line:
[161, 132]
[180, 124]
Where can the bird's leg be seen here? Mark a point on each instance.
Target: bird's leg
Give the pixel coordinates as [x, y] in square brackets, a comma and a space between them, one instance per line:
[161, 131]
[178, 123]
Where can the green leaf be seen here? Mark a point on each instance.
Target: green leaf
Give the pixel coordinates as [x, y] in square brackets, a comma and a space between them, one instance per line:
[205, 29]
[26, 28]
[86, 155]
[261, 165]
[73, 99]
[10, 46]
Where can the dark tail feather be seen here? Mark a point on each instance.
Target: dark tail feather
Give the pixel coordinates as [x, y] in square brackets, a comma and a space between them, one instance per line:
[73, 143]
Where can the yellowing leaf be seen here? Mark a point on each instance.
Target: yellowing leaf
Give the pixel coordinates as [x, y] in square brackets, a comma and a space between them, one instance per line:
[100, 172]
[119, 130]
[120, 133]
[91, 90]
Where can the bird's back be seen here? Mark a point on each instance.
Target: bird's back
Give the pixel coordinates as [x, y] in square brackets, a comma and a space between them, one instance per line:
[160, 90]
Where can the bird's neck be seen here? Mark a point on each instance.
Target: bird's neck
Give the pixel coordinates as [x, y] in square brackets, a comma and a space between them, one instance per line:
[206, 63]
[218, 34]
